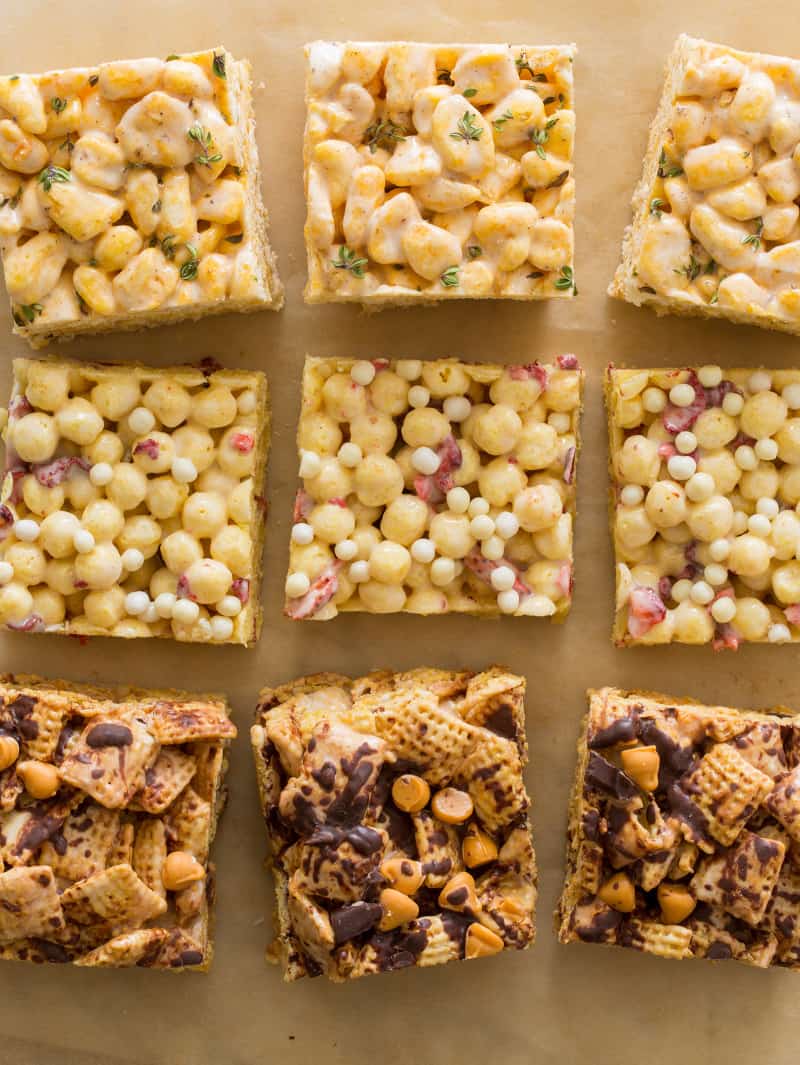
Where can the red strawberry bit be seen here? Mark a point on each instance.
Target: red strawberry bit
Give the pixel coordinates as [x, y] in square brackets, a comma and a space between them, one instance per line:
[338, 501]
[303, 505]
[528, 371]
[6, 521]
[725, 638]
[568, 362]
[792, 614]
[716, 394]
[183, 591]
[322, 590]
[678, 419]
[483, 568]
[51, 474]
[147, 447]
[32, 623]
[380, 364]
[723, 593]
[564, 579]
[80, 584]
[741, 439]
[18, 408]
[241, 589]
[665, 587]
[645, 611]
[569, 466]
[243, 442]
[666, 451]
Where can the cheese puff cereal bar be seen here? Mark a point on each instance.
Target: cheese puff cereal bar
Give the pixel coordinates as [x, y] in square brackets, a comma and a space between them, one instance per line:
[435, 487]
[131, 504]
[398, 819]
[715, 231]
[438, 172]
[684, 831]
[130, 196]
[705, 492]
[109, 803]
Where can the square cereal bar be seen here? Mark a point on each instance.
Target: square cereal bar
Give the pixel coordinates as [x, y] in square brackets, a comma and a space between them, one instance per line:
[398, 819]
[438, 172]
[435, 487]
[131, 504]
[715, 231]
[705, 486]
[684, 831]
[109, 803]
[130, 196]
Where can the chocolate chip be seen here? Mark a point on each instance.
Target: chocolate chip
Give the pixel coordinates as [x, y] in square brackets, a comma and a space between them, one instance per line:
[109, 734]
[350, 921]
[719, 951]
[190, 957]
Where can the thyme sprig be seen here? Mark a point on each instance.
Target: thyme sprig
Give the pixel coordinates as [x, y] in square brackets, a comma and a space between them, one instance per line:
[348, 260]
[467, 129]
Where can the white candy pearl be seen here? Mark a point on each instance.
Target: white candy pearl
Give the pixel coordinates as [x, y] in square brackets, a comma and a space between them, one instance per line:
[165, 604]
[686, 442]
[310, 464]
[425, 460]
[443, 570]
[346, 550]
[100, 474]
[6, 572]
[700, 486]
[654, 400]
[760, 381]
[362, 372]
[791, 395]
[479, 505]
[184, 470]
[715, 574]
[423, 551]
[768, 507]
[681, 467]
[229, 605]
[745, 457]
[493, 548]
[759, 525]
[482, 527]
[779, 634]
[408, 369]
[83, 541]
[681, 590]
[418, 396]
[136, 603]
[503, 578]
[701, 592]
[506, 524]
[457, 408]
[709, 376]
[359, 572]
[302, 533]
[458, 500]
[766, 449]
[297, 584]
[221, 628]
[682, 395]
[631, 495]
[27, 530]
[141, 420]
[508, 601]
[732, 404]
[350, 455]
[723, 609]
[719, 550]
[185, 612]
[132, 559]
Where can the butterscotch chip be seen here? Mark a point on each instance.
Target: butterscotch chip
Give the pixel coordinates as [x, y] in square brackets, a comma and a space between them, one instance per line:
[641, 764]
[675, 901]
[619, 893]
[9, 751]
[180, 870]
[40, 779]
[481, 942]
[370, 877]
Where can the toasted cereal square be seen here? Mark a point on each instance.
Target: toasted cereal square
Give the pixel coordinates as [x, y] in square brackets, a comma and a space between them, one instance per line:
[705, 474]
[714, 231]
[438, 172]
[674, 846]
[130, 196]
[87, 874]
[132, 505]
[435, 487]
[386, 855]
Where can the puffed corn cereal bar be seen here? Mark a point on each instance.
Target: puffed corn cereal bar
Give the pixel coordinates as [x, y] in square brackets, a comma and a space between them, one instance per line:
[435, 487]
[715, 230]
[109, 803]
[398, 819]
[684, 831]
[705, 488]
[130, 196]
[437, 172]
[131, 504]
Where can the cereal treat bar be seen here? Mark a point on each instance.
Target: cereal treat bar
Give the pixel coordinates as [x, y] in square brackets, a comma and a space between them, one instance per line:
[715, 231]
[398, 819]
[438, 172]
[109, 802]
[130, 504]
[705, 487]
[684, 831]
[435, 487]
[130, 196]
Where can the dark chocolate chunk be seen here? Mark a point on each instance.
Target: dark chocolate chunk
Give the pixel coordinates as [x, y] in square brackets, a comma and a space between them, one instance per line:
[600, 925]
[109, 734]
[623, 730]
[674, 759]
[719, 951]
[350, 921]
[501, 721]
[692, 816]
[50, 951]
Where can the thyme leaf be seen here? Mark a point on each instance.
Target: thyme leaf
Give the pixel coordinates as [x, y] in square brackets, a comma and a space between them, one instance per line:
[27, 312]
[383, 133]
[52, 174]
[58, 103]
[188, 271]
[692, 269]
[498, 123]
[565, 281]
[348, 260]
[754, 239]
[665, 169]
[469, 93]
[218, 66]
[474, 251]
[450, 277]
[203, 138]
[540, 137]
[656, 206]
[467, 129]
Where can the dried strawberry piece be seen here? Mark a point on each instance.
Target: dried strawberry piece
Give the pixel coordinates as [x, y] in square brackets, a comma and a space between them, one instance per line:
[433, 487]
[147, 447]
[678, 419]
[725, 638]
[183, 591]
[792, 614]
[716, 394]
[303, 505]
[56, 472]
[380, 364]
[18, 408]
[569, 466]
[32, 623]
[645, 610]
[241, 589]
[568, 362]
[243, 442]
[564, 579]
[6, 520]
[17, 473]
[483, 568]
[338, 501]
[666, 451]
[322, 590]
[528, 371]
[741, 439]
[665, 587]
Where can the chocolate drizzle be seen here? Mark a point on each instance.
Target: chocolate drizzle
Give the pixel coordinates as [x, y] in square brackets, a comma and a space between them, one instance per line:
[350, 921]
[605, 777]
[623, 730]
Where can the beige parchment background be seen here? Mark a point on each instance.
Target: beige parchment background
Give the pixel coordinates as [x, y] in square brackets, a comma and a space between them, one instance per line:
[579, 1005]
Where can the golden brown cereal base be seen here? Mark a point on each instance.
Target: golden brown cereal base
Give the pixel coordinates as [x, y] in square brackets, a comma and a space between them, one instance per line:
[285, 949]
[625, 285]
[255, 221]
[252, 611]
[316, 289]
[571, 891]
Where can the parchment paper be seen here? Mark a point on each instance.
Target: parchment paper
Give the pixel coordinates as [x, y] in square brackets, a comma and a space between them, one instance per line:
[580, 1005]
